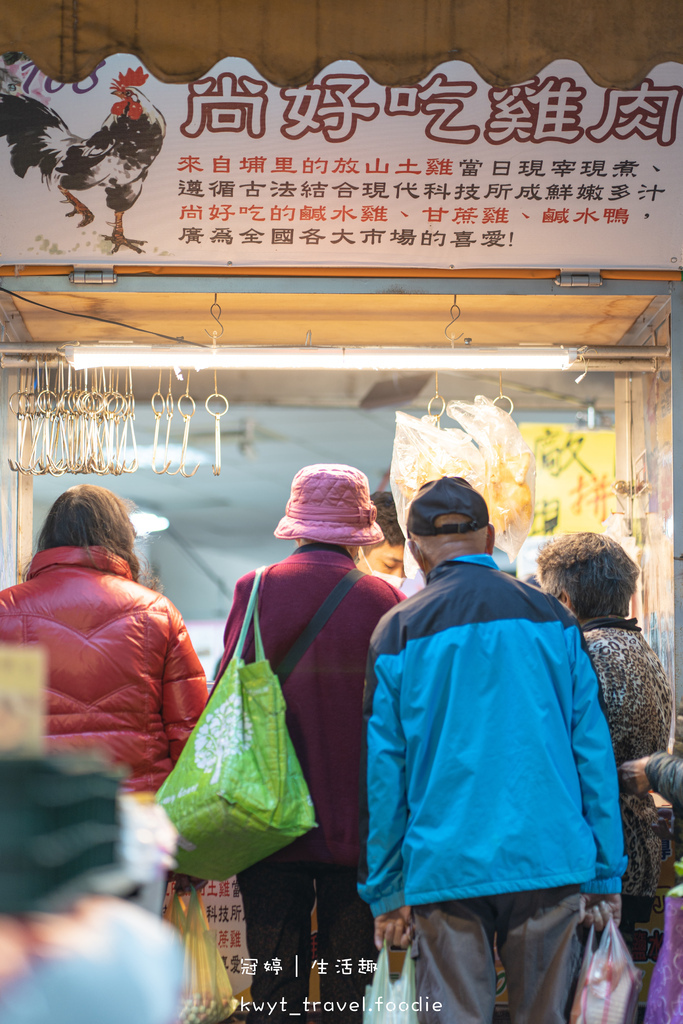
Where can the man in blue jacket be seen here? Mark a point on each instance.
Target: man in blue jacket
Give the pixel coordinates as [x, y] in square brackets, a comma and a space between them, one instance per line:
[491, 799]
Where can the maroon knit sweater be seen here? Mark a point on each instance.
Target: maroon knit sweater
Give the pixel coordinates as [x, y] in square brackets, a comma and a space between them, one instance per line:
[324, 693]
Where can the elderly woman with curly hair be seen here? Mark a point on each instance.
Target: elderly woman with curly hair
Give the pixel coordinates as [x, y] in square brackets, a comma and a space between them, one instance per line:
[595, 578]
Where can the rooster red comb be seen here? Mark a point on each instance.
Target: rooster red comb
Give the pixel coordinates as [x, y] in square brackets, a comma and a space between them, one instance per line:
[131, 77]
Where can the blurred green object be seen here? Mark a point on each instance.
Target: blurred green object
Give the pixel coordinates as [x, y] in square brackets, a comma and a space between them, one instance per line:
[677, 890]
[58, 832]
[237, 793]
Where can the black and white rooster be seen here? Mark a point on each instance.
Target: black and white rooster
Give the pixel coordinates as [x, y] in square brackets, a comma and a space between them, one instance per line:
[116, 158]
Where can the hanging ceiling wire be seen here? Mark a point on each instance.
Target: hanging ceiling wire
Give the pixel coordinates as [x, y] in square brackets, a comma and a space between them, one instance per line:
[99, 319]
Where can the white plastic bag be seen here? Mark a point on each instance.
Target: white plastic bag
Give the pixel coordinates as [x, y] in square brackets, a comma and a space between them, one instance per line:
[422, 452]
[387, 1001]
[509, 469]
[609, 984]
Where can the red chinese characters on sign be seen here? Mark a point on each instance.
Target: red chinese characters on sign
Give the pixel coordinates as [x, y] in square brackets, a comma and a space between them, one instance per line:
[547, 110]
[331, 107]
[442, 101]
[555, 216]
[226, 104]
[648, 112]
[543, 109]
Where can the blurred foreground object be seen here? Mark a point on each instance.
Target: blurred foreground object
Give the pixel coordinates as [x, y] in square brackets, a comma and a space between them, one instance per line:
[665, 998]
[22, 681]
[58, 833]
[69, 951]
[147, 846]
[105, 961]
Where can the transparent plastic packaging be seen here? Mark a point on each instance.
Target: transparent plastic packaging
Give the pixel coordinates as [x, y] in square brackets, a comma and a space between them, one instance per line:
[423, 452]
[207, 993]
[489, 452]
[609, 982]
[510, 469]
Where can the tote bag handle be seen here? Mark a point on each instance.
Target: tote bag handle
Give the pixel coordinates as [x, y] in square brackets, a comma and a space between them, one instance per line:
[252, 613]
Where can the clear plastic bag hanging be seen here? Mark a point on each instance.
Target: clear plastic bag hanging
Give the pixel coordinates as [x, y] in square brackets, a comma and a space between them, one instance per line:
[510, 469]
[423, 452]
[489, 452]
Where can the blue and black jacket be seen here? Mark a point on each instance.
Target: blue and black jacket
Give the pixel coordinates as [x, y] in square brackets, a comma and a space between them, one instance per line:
[487, 757]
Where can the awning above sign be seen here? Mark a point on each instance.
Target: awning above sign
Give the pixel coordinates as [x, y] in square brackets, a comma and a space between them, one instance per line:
[395, 41]
[448, 173]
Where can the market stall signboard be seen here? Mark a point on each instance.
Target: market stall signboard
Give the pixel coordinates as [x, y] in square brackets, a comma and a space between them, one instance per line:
[231, 170]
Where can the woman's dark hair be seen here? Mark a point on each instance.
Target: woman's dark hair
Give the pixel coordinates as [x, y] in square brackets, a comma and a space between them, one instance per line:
[593, 571]
[86, 517]
[386, 517]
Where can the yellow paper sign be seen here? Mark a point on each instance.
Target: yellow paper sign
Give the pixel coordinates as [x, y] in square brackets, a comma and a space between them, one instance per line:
[575, 472]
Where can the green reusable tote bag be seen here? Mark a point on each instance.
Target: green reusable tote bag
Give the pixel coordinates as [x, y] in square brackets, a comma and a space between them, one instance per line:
[237, 793]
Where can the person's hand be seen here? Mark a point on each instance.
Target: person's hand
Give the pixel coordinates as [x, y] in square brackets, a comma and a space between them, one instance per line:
[663, 829]
[632, 777]
[395, 928]
[598, 907]
[183, 883]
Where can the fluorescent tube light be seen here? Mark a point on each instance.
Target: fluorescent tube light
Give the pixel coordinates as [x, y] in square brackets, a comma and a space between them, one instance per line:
[309, 358]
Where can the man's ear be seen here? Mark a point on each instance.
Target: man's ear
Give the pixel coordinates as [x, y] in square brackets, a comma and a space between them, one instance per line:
[490, 538]
[417, 555]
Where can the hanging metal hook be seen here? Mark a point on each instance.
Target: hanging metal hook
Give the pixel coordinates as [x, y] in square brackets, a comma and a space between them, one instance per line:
[187, 416]
[454, 316]
[169, 420]
[436, 395]
[214, 306]
[130, 421]
[157, 422]
[500, 396]
[216, 468]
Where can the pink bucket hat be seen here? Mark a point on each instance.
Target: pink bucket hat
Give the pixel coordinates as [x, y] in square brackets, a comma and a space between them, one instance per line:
[331, 503]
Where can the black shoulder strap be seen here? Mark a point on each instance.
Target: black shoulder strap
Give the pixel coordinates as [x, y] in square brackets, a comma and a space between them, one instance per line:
[305, 639]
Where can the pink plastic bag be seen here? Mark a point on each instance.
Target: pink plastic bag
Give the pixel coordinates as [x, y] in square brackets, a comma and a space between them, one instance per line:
[665, 999]
[609, 984]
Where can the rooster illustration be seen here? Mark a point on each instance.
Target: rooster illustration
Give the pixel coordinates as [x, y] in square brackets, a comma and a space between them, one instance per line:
[117, 157]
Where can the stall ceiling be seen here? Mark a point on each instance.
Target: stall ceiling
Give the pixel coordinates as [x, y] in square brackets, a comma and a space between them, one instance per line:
[334, 319]
[384, 319]
[396, 41]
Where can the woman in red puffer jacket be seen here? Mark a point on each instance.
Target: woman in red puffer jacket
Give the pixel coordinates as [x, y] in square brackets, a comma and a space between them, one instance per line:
[123, 676]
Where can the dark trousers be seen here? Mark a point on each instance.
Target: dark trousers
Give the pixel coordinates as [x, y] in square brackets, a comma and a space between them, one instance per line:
[278, 900]
[537, 938]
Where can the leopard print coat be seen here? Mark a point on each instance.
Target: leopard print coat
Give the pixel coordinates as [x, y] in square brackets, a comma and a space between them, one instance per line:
[638, 705]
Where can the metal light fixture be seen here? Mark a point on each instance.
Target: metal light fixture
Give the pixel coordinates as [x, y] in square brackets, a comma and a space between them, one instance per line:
[322, 358]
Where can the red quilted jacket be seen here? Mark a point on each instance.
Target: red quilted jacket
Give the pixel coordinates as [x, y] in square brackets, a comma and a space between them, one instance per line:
[122, 673]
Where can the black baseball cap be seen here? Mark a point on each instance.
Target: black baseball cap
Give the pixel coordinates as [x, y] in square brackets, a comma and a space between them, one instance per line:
[443, 497]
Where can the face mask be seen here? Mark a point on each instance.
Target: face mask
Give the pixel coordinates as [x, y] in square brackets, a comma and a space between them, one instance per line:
[388, 577]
